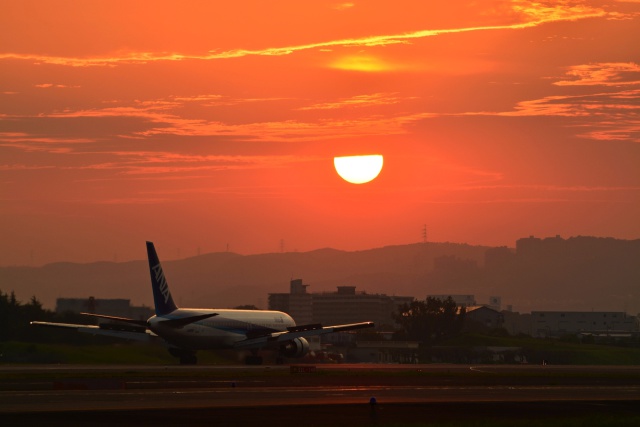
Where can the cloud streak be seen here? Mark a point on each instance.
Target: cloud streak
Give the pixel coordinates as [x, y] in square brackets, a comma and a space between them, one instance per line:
[359, 101]
[528, 14]
[603, 74]
[608, 114]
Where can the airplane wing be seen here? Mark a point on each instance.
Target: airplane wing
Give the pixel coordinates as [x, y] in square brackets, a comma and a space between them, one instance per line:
[174, 323]
[119, 319]
[137, 333]
[297, 332]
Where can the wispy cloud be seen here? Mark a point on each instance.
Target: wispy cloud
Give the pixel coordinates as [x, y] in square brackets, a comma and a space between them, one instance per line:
[607, 115]
[370, 100]
[23, 167]
[154, 166]
[166, 117]
[558, 105]
[552, 188]
[589, 105]
[610, 113]
[603, 74]
[32, 143]
[53, 85]
[528, 14]
[344, 6]
[614, 131]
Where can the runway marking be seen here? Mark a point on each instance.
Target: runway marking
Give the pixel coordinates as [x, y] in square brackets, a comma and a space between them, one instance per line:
[475, 369]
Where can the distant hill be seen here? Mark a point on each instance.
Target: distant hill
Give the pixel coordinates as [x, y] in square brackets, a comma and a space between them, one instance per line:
[227, 279]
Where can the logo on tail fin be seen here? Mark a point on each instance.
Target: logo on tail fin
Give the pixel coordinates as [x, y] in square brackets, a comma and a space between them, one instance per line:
[162, 282]
[161, 294]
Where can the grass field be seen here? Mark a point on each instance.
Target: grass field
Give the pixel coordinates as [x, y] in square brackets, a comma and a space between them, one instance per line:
[127, 353]
[554, 351]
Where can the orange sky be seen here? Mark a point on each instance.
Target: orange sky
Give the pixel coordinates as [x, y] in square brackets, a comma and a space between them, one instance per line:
[203, 126]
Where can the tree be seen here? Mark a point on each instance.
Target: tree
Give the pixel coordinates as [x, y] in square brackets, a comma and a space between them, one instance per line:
[431, 320]
[15, 318]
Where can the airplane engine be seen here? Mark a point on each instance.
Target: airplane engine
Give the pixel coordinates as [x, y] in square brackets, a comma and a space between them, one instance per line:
[297, 347]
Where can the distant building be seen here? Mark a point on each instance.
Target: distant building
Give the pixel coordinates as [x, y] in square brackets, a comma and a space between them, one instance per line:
[485, 315]
[111, 307]
[495, 303]
[557, 323]
[297, 303]
[332, 308]
[517, 323]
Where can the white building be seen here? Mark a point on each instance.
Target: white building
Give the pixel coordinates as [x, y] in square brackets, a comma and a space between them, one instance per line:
[556, 323]
[335, 308]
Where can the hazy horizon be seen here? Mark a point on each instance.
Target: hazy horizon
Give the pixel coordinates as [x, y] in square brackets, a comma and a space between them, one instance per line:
[577, 273]
[207, 125]
[177, 253]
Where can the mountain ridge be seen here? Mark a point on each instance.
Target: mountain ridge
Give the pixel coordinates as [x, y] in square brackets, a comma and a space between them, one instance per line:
[226, 279]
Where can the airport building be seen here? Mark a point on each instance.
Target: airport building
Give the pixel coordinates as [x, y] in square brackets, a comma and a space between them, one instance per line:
[558, 323]
[111, 307]
[334, 308]
[484, 315]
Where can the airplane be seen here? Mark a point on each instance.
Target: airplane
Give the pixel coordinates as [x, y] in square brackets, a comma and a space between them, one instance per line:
[187, 330]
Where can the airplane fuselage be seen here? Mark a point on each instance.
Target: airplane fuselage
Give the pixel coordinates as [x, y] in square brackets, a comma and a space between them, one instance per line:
[220, 331]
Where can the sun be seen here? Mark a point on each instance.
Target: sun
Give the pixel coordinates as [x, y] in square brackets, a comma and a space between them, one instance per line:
[358, 169]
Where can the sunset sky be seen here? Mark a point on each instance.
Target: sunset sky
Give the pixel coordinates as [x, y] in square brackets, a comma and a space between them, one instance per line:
[210, 126]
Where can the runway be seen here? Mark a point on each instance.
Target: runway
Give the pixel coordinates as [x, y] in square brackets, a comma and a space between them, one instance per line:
[50, 393]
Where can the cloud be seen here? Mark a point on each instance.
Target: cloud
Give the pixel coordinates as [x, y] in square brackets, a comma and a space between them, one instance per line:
[52, 85]
[23, 167]
[614, 131]
[163, 117]
[608, 115]
[344, 6]
[603, 74]
[359, 101]
[133, 163]
[527, 14]
[362, 62]
[31, 143]
[555, 188]
[555, 10]
[620, 104]
[162, 165]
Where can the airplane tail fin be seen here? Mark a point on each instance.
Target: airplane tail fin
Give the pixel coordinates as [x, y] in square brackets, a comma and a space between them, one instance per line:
[161, 295]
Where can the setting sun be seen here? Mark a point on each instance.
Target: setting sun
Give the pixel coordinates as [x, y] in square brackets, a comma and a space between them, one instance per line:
[211, 128]
[358, 169]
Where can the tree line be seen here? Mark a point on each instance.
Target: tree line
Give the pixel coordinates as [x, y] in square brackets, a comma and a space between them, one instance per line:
[430, 321]
[16, 318]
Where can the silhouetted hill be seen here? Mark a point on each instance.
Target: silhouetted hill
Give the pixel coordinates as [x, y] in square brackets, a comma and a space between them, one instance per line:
[582, 274]
[227, 279]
